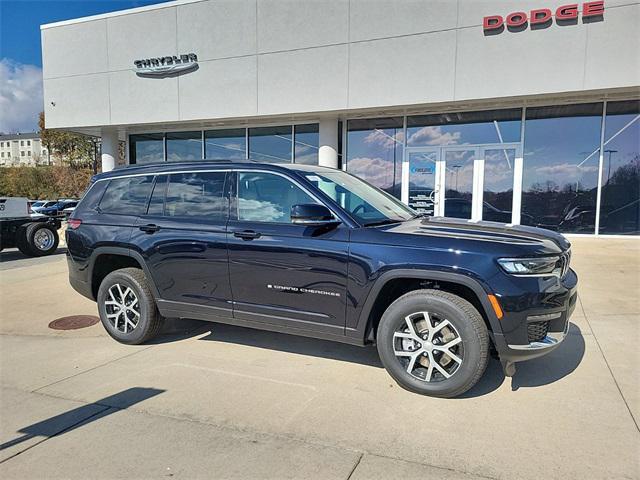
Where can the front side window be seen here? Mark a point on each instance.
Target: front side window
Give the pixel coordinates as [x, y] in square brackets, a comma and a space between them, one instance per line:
[266, 197]
[127, 196]
[197, 194]
[368, 205]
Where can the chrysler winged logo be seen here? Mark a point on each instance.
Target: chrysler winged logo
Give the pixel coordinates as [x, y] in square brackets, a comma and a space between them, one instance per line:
[166, 66]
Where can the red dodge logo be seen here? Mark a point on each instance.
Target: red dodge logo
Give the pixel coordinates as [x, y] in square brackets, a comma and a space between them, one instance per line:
[543, 15]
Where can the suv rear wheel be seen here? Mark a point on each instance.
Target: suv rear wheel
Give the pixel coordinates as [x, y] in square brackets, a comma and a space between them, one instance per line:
[433, 343]
[127, 307]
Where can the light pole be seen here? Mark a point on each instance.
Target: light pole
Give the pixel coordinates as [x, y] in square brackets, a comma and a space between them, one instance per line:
[609, 167]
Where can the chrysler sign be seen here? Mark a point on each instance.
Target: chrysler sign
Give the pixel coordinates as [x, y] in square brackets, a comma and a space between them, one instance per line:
[166, 66]
[543, 17]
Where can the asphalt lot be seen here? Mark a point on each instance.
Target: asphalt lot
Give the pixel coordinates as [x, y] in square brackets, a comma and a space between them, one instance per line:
[215, 401]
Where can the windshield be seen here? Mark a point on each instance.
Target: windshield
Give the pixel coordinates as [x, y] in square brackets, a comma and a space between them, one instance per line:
[37, 204]
[367, 204]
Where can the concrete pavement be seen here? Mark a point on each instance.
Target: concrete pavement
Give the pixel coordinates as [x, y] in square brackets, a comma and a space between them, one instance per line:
[219, 401]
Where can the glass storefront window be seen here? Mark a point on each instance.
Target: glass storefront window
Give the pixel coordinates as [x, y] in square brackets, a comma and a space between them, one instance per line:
[464, 128]
[147, 148]
[225, 144]
[374, 151]
[270, 144]
[306, 144]
[561, 161]
[620, 198]
[184, 146]
[497, 197]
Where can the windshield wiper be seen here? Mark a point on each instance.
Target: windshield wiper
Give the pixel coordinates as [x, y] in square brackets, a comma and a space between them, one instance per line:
[386, 221]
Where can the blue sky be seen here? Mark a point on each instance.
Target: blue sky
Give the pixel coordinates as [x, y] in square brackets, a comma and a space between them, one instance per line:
[20, 52]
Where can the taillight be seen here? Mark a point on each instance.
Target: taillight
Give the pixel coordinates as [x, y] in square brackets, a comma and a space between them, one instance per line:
[74, 223]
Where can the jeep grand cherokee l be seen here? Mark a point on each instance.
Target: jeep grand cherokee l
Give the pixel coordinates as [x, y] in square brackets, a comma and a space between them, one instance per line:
[314, 251]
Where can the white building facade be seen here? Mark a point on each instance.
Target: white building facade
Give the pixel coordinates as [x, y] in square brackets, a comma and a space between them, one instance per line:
[23, 149]
[515, 111]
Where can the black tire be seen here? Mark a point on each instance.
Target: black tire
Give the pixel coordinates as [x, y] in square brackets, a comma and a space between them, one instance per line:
[469, 326]
[149, 323]
[35, 247]
[21, 241]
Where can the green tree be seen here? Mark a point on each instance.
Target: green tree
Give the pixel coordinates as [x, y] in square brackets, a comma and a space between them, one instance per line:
[73, 149]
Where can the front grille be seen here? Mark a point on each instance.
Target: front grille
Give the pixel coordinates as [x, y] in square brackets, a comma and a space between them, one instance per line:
[536, 331]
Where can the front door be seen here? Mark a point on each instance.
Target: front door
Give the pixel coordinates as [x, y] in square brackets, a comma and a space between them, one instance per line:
[284, 274]
[421, 180]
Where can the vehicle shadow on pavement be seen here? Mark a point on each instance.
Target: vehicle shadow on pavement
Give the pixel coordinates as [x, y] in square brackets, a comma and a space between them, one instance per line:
[294, 344]
[554, 366]
[537, 372]
[12, 254]
[72, 419]
[533, 373]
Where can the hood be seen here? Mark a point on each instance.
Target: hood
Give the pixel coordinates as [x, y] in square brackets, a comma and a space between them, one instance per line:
[529, 238]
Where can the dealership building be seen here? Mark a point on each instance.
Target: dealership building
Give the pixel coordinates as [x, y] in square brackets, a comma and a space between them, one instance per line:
[515, 111]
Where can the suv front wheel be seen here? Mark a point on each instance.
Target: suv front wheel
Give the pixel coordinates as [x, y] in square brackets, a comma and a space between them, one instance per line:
[127, 307]
[433, 343]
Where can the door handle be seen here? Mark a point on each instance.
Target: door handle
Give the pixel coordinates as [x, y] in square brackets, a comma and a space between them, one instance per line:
[432, 196]
[246, 234]
[151, 228]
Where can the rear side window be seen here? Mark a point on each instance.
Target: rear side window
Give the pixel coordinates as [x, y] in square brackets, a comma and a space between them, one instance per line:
[127, 196]
[197, 195]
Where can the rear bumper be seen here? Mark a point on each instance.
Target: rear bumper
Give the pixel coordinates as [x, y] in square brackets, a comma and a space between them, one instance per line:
[77, 278]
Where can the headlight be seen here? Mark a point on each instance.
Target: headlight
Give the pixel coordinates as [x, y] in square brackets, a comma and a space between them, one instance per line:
[530, 266]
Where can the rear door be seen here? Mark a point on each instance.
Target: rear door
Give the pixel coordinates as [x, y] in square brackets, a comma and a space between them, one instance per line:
[182, 238]
[282, 273]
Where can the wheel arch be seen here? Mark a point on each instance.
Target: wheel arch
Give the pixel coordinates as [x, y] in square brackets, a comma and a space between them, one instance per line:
[108, 259]
[393, 284]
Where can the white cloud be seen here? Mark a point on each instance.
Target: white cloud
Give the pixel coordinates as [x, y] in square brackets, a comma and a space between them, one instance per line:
[20, 96]
[374, 170]
[433, 136]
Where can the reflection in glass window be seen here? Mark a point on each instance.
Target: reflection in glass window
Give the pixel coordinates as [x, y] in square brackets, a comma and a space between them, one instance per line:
[374, 152]
[498, 184]
[560, 177]
[306, 144]
[147, 148]
[127, 196]
[156, 203]
[366, 204]
[184, 146]
[620, 200]
[459, 128]
[458, 182]
[225, 144]
[197, 195]
[265, 197]
[270, 144]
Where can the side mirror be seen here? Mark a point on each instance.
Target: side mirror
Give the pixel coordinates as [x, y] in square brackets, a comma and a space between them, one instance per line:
[312, 214]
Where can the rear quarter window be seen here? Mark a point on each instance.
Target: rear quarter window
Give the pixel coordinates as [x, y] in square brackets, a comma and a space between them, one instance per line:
[127, 196]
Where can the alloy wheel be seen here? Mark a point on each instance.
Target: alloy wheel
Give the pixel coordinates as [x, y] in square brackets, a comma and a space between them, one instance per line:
[122, 308]
[428, 347]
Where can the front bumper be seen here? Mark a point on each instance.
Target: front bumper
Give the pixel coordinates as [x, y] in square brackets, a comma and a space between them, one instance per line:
[516, 346]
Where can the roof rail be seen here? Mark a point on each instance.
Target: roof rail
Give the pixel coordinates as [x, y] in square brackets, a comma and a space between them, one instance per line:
[195, 162]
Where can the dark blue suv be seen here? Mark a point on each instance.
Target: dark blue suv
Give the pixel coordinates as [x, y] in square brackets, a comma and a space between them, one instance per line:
[314, 251]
